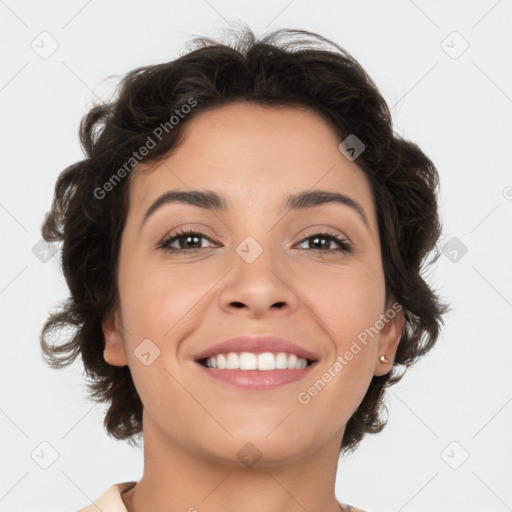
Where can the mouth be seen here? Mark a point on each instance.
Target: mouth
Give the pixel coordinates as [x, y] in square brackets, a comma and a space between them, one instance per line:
[256, 372]
[247, 361]
[256, 363]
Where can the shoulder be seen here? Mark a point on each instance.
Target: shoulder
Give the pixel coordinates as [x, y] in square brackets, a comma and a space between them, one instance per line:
[110, 500]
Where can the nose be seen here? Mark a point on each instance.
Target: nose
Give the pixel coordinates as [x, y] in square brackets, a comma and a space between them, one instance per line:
[258, 288]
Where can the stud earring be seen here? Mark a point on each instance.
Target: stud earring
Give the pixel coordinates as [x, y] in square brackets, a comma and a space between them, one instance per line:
[383, 359]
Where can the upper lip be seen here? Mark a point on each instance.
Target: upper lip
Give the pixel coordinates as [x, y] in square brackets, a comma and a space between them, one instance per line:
[257, 345]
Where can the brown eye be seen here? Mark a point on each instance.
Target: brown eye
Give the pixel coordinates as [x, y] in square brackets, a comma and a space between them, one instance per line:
[318, 238]
[188, 240]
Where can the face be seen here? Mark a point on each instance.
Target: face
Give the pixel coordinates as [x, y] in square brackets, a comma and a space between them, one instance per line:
[254, 267]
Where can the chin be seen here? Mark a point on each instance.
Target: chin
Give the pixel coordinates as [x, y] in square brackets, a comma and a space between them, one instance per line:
[257, 451]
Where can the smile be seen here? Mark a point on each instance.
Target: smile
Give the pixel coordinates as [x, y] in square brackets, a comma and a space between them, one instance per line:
[256, 372]
[250, 361]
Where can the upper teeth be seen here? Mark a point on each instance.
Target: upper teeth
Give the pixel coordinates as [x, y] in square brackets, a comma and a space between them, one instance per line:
[251, 361]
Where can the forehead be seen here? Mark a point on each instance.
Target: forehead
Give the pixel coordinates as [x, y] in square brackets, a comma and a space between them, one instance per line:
[252, 152]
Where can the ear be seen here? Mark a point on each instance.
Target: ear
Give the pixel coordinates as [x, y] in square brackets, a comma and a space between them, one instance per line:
[114, 352]
[390, 335]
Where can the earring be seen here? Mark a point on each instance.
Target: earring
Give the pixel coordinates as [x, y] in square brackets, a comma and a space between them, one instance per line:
[383, 359]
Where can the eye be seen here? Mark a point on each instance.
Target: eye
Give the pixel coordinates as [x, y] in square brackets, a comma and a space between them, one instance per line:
[344, 244]
[189, 237]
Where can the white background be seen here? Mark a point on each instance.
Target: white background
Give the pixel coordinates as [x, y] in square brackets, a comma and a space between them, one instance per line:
[458, 110]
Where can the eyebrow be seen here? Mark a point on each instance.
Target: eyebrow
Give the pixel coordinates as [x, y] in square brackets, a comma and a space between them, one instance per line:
[211, 200]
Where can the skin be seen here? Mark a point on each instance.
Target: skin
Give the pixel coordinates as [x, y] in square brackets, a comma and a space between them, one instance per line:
[187, 301]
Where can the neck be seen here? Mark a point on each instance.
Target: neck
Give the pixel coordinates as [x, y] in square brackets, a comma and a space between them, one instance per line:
[177, 478]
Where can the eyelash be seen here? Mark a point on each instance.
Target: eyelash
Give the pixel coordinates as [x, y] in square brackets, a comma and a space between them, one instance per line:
[345, 246]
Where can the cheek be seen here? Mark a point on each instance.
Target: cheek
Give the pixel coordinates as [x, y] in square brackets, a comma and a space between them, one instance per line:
[347, 302]
[157, 297]
[348, 306]
[157, 305]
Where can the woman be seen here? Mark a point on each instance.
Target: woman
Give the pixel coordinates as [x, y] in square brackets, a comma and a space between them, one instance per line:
[243, 244]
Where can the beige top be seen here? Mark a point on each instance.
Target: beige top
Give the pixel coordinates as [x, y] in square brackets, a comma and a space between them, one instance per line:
[111, 501]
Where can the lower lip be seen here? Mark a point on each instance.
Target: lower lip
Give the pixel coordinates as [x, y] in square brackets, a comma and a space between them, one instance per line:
[257, 380]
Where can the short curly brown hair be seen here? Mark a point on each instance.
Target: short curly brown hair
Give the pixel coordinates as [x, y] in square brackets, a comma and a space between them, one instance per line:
[283, 68]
